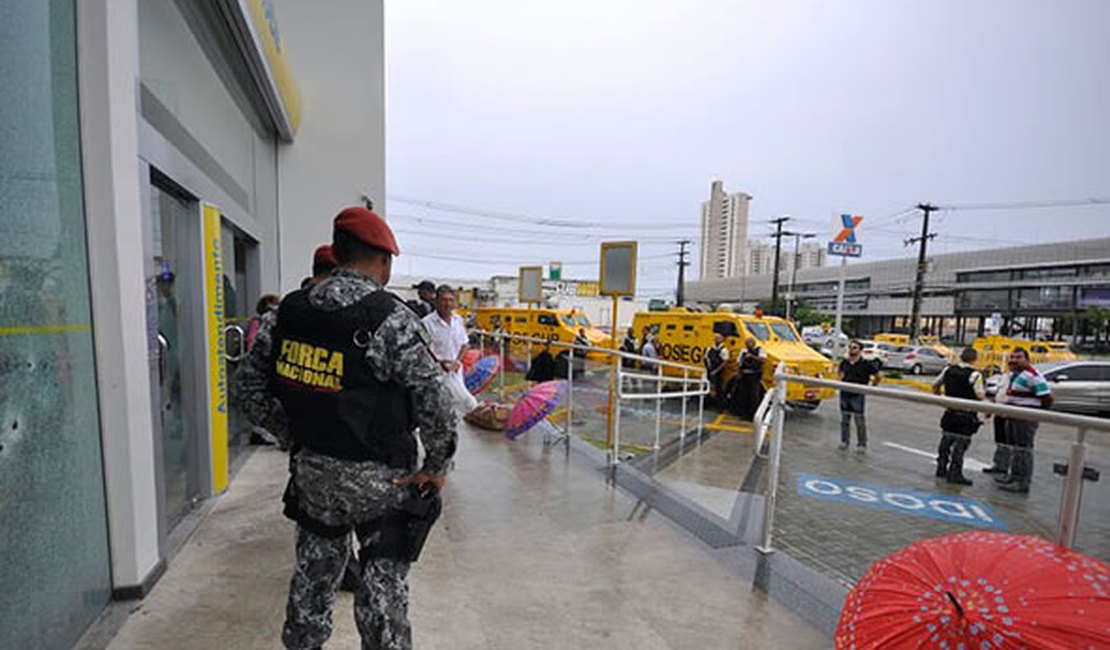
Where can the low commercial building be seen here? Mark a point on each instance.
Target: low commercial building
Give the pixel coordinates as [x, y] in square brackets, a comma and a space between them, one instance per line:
[1022, 288]
[165, 163]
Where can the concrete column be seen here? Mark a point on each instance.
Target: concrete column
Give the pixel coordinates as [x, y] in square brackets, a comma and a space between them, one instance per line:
[107, 45]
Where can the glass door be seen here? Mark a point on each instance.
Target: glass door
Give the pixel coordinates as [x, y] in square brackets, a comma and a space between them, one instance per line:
[240, 289]
[171, 214]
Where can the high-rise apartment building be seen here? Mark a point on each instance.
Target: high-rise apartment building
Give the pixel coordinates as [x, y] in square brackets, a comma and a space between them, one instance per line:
[724, 233]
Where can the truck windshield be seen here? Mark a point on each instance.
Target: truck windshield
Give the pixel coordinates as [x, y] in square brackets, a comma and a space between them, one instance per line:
[758, 330]
[568, 321]
[583, 321]
[784, 331]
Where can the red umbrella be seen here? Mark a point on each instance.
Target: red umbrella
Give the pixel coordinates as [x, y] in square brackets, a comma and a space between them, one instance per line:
[470, 358]
[980, 591]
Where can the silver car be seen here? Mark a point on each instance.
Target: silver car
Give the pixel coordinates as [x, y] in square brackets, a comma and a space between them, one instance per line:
[895, 355]
[1077, 386]
[922, 360]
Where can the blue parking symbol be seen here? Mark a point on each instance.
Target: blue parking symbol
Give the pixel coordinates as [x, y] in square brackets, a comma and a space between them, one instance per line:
[946, 507]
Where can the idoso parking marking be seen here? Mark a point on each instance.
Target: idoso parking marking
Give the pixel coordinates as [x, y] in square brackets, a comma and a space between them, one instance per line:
[946, 507]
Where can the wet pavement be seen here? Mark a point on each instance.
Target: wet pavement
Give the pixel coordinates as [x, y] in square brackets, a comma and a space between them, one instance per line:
[534, 550]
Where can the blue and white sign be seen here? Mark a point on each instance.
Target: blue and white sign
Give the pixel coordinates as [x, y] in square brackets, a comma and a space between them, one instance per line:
[844, 249]
[945, 507]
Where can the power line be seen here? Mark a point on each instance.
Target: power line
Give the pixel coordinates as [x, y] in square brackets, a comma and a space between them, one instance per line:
[516, 217]
[1029, 205]
[448, 256]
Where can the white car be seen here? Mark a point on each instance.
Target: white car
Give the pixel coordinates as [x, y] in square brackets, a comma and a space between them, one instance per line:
[872, 350]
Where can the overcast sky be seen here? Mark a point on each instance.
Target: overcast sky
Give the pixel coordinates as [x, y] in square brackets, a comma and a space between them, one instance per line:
[621, 112]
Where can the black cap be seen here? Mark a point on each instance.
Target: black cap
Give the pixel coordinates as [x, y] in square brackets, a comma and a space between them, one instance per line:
[426, 285]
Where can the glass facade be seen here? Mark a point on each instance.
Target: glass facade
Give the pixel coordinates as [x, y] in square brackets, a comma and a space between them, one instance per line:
[55, 567]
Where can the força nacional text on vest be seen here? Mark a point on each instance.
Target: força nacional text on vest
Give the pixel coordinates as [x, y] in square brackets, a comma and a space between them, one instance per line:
[311, 365]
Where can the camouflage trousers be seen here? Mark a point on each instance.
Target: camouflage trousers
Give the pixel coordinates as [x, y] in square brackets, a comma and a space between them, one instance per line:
[381, 600]
[345, 493]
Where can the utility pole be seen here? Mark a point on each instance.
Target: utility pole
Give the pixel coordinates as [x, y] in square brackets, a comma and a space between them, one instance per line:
[778, 250]
[798, 237]
[919, 282]
[680, 293]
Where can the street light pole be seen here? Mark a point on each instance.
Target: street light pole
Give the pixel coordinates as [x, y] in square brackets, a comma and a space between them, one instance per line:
[798, 237]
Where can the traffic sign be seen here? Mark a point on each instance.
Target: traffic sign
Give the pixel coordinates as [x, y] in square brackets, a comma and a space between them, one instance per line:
[844, 249]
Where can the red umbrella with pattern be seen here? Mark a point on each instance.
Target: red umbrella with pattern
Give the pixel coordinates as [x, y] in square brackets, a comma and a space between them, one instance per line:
[980, 590]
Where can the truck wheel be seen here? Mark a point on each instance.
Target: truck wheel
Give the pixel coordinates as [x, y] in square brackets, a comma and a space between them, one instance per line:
[916, 369]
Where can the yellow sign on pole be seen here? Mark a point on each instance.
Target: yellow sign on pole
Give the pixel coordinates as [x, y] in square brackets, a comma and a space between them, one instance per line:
[214, 327]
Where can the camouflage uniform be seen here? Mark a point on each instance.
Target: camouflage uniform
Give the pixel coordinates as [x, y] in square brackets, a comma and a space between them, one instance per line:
[346, 493]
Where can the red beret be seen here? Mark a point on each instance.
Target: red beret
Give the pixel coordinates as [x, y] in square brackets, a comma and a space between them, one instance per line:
[324, 257]
[368, 228]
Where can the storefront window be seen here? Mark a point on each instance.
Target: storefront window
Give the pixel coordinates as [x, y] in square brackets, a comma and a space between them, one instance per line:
[1046, 298]
[54, 561]
[984, 300]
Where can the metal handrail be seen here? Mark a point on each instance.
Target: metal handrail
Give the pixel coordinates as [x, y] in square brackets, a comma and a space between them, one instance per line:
[1073, 486]
[1016, 412]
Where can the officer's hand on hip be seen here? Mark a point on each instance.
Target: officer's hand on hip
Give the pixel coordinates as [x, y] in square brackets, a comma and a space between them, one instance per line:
[420, 478]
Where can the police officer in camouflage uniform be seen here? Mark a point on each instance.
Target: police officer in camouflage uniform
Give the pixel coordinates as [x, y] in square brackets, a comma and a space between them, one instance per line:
[346, 371]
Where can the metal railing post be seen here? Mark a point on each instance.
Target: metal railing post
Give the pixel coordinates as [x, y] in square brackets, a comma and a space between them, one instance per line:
[701, 403]
[529, 365]
[779, 414]
[570, 397]
[685, 382]
[658, 405]
[1073, 491]
[617, 417]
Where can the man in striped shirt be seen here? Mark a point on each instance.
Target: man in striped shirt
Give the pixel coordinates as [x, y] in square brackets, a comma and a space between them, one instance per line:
[1028, 388]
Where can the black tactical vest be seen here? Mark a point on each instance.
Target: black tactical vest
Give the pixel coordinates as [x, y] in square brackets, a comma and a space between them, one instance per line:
[957, 382]
[335, 405]
[713, 357]
[750, 362]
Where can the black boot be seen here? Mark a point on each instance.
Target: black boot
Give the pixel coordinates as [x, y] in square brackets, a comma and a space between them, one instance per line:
[956, 468]
[942, 471]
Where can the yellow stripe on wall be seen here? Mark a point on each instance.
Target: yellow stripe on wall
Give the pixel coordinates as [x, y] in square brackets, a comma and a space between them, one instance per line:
[217, 369]
[24, 330]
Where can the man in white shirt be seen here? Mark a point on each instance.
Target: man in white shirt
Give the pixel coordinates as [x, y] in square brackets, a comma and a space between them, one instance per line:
[449, 340]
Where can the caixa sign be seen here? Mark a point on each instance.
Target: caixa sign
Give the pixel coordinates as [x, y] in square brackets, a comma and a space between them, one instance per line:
[946, 507]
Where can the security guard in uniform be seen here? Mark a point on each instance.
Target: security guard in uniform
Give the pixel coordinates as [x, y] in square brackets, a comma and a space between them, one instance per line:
[960, 380]
[350, 377]
[747, 391]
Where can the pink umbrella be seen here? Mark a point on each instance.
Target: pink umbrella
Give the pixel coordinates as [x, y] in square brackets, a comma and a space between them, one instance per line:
[535, 406]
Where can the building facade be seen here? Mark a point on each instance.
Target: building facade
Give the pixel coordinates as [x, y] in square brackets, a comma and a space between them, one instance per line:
[724, 233]
[1025, 287]
[761, 258]
[165, 163]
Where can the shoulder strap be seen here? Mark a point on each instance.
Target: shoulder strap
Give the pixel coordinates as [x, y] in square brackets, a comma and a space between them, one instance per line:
[378, 306]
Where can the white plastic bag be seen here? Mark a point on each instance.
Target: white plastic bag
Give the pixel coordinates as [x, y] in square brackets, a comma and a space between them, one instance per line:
[461, 399]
